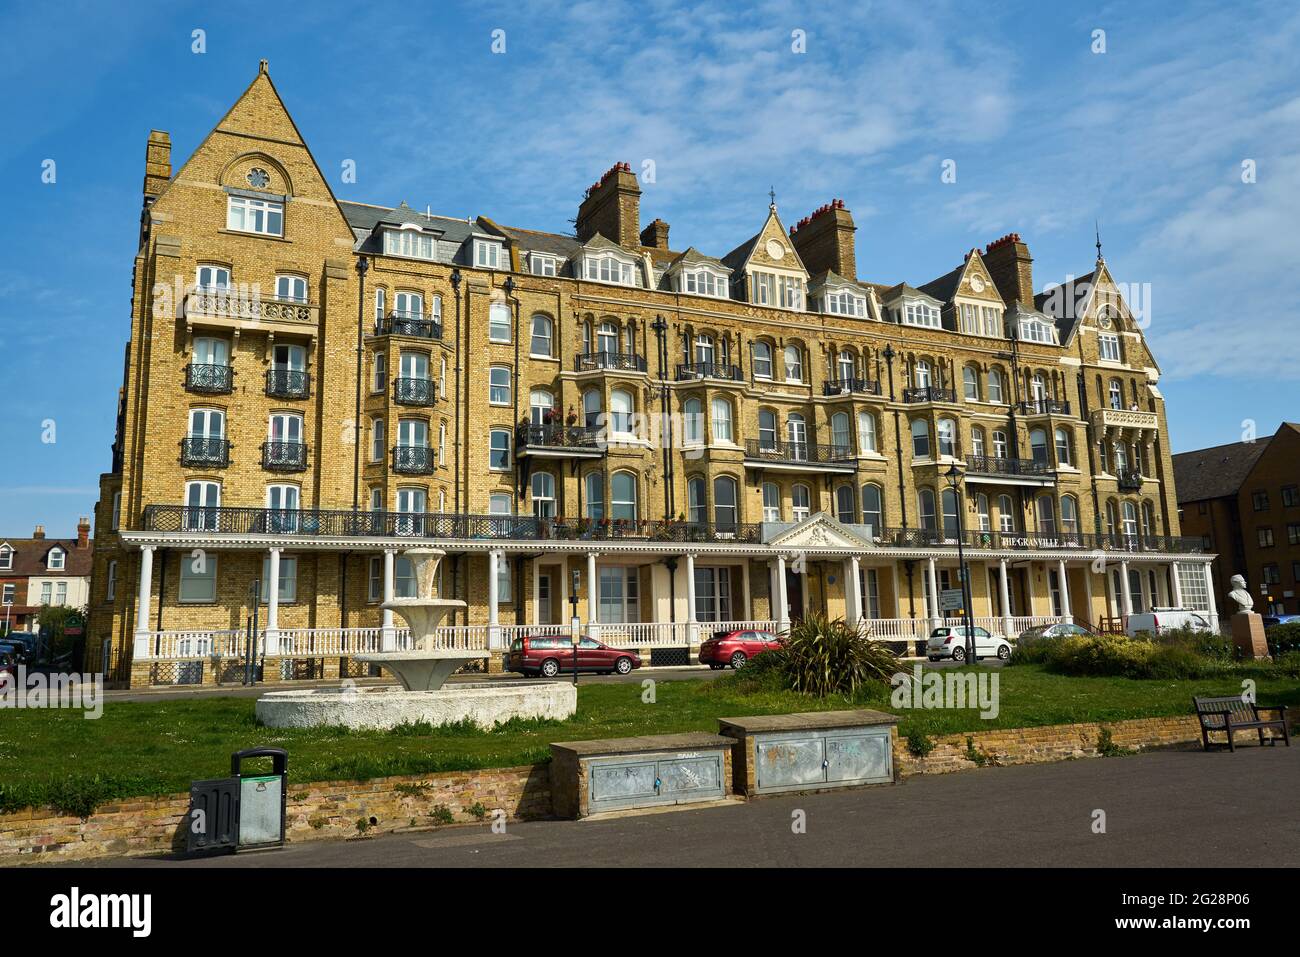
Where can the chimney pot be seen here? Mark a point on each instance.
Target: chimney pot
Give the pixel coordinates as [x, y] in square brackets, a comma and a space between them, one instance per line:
[612, 207]
[39, 532]
[824, 240]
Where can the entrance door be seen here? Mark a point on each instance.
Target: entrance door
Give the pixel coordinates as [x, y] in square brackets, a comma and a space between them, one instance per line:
[794, 595]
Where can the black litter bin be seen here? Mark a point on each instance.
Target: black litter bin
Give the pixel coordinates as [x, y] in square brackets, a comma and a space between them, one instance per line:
[243, 812]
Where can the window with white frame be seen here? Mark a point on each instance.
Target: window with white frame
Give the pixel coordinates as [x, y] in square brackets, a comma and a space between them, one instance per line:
[995, 386]
[866, 433]
[55, 560]
[844, 303]
[923, 314]
[210, 277]
[609, 269]
[410, 243]
[540, 265]
[198, 578]
[1006, 514]
[288, 586]
[377, 439]
[291, 288]
[712, 593]
[697, 506]
[499, 322]
[692, 422]
[487, 254]
[841, 437]
[947, 437]
[800, 502]
[1108, 346]
[543, 488]
[725, 507]
[110, 591]
[872, 509]
[409, 305]
[622, 496]
[543, 334]
[845, 506]
[6, 557]
[379, 367]
[1035, 330]
[248, 215]
[704, 282]
[790, 289]
[920, 439]
[202, 500]
[595, 498]
[762, 354]
[970, 378]
[403, 578]
[721, 420]
[617, 592]
[620, 411]
[771, 502]
[499, 385]
[499, 450]
[499, 503]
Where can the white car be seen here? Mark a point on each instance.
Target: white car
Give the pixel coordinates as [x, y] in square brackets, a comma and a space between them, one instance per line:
[1163, 619]
[951, 643]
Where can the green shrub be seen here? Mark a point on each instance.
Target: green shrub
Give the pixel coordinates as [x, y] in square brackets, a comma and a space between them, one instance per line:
[1283, 638]
[1175, 662]
[1289, 663]
[821, 657]
[1100, 656]
[442, 814]
[1030, 651]
[1214, 647]
[919, 745]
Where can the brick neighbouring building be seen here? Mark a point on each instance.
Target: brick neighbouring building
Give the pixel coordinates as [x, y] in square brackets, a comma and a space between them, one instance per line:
[40, 571]
[1243, 501]
[814, 416]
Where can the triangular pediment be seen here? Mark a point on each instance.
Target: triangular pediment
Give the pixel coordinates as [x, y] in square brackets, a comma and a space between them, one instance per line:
[817, 532]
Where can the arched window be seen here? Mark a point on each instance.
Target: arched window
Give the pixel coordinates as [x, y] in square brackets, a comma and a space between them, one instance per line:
[722, 431]
[866, 433]
[929, 520]
[762, 360]
[793, 364]
[607, 338]
[543, 335]
[725, 513]
[771, 502]
[844, 366]
[541, 407]
[1006, 514]
[1045, 508]
[970, 378]
[622, 496]
[844, 504]
[1038, 446]
[693, 422]
[872, 511]
[800, 503]
[1062, 447]
[920, 439]
[950, 505]
[620, 411]
[697, 507]
[1112, 518]
[543, 494]
[995, 385]
[982, 511]
[1120, 454]
[977, 446]
[921, 374]
[1038, 392]
[499, 385]
[840, 435]
[767, 430]
[796, 433]
[498, 320]
[595, 496]
[591, 408]
[948, 437]
[1116, 394]
[1069, 514]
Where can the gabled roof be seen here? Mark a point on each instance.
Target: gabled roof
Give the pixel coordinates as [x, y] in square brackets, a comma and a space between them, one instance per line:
[29, 558]
[693, 255]
[1216, 472]
[1066, 293]
[737, 258]
[945, 286]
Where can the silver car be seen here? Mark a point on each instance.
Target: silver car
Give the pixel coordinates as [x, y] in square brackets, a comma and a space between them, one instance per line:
[949, 642]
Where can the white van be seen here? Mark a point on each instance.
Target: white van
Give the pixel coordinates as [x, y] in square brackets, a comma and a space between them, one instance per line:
[1164, 619]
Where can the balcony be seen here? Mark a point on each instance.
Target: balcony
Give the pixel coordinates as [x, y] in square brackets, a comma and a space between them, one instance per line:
[799, 456]
[201, 451]
[1130, 480]
[1037, 541]
[610, 361]
[929, 394]
[407, 324]
[413, 459]
[209, 379]
[850, 387]
[1008, 471]
[288, 383]
[284, 456]
[559, 441]
[709, 370]
[242, 309]
[1103, 419]
[1043, 406]
[413, 391]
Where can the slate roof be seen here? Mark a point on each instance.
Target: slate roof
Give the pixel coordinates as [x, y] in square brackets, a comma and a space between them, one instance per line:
[1216, 472]
[945, 286]
[1064, 324]
[29, 558]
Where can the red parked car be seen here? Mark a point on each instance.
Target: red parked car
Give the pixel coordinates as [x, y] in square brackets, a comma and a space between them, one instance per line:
[736, 647]
[548, 655]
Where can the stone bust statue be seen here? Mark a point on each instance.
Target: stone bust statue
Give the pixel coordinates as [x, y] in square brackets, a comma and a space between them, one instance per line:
[1240, 594]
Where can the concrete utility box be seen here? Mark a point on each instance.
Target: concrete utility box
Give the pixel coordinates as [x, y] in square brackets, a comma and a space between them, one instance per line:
[588, 777]
[811, 751]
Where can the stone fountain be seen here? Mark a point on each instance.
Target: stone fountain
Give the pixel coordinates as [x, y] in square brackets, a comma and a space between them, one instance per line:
[422, 672]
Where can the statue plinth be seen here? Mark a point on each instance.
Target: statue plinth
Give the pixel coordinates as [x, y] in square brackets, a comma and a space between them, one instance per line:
[1248, 635]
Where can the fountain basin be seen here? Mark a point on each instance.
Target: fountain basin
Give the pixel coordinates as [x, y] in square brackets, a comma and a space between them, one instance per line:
[424, 670]
[485, 703]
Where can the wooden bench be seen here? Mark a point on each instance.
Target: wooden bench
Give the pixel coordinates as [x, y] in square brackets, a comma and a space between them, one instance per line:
[1232, 713]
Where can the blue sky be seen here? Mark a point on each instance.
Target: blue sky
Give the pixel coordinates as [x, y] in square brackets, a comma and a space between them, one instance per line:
[1047, 136]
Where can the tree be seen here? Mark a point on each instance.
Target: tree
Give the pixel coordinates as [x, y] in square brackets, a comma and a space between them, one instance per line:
[54, 623]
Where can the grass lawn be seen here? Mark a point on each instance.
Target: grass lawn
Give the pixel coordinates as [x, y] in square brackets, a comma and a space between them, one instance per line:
[148, 748]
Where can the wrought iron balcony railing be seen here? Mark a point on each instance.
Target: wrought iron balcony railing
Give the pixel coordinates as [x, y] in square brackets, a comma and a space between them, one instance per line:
[929, 394]
[798, 453]
[849, 386]
[1130, 480]
[284, 456]
[1001, 465]
[1044, 407]
[401, 324]
[620, 361]
[413, 459]
[288, 383]
[709, 370]
[209, 378]
[557, 436]
[413, 391]
[201, 451]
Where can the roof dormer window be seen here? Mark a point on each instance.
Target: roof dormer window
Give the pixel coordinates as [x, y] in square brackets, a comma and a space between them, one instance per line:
[540, 265]
[1035, 330]
[704, 282]
[487, 254]
[922, 314]
[844, 303]
[54, 562]
[6, 557]
[411, 243]
[609, 268]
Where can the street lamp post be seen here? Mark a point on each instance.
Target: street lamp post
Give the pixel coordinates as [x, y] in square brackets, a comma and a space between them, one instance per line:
[575, 625]
[954, 477]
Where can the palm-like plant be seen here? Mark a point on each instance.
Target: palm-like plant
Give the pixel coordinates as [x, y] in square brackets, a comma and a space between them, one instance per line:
[821, 657]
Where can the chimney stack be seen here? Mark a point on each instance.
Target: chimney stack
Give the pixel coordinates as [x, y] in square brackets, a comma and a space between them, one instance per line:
[612, 207]
[655, 235]
[824, 240]
[39, 533]
[83, 532]
[1011, 267]
[157, 164]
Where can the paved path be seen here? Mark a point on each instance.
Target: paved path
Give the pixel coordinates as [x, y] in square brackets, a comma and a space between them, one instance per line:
[1167, 809]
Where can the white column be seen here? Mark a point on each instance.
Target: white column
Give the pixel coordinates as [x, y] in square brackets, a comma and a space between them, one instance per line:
[142, 645]
[593, 597]
[690, 587]
[272, 646]
[1209, 590]
[1124, 588]
[782, 614]
[1004, 595]
[855, 590]
[933, 579]
[387, 633]
[1064, 581]
[493, 586]
[537, 591]
[1175, 584]
[746, 609]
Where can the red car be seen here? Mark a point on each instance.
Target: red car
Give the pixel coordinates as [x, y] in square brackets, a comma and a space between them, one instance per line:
[548, 655]
[736, 647]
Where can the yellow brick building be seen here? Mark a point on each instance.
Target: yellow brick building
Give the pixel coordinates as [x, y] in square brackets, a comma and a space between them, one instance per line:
[680, 440]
